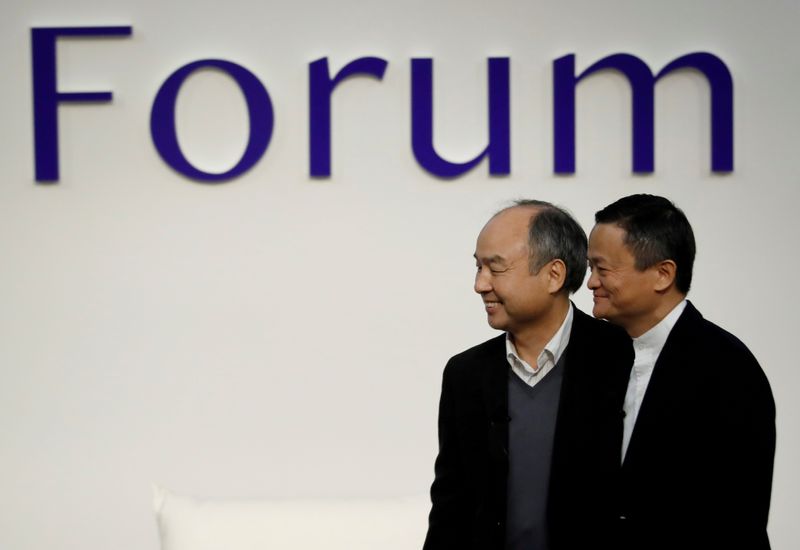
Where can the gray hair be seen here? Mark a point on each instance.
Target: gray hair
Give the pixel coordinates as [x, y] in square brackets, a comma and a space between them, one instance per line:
[553, 234]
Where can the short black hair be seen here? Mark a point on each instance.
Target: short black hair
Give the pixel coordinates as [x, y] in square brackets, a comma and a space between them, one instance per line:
[554, 234]
[655, 230]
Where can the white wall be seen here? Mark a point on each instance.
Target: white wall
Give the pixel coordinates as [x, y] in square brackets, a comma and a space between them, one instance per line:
[276, 335]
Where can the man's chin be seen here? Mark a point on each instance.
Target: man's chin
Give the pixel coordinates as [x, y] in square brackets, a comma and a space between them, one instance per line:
[600, 312]
[496, 323]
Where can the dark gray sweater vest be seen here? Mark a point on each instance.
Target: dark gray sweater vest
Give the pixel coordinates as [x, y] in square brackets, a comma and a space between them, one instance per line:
[533, 412]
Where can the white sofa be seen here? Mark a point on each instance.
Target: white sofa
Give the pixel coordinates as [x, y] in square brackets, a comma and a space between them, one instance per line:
[290, 524]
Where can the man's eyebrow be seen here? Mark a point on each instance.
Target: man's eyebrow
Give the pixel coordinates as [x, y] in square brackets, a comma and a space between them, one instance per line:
[595, 259]
[496, 259]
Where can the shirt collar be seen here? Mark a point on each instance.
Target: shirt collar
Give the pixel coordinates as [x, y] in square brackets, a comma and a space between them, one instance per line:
[553, 350]
[652, 341]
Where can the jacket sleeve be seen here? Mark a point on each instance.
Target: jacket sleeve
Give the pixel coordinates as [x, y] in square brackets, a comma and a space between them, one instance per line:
[747, 435]
[448, 517]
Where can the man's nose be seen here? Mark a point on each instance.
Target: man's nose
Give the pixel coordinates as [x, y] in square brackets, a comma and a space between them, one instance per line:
[482, 282]
[593, 281]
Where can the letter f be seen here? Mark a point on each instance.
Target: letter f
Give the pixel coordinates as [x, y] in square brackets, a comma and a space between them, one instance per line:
[46, 96]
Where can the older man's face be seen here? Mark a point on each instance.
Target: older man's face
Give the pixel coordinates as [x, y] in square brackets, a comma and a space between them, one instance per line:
[622, 294]
[512, 296]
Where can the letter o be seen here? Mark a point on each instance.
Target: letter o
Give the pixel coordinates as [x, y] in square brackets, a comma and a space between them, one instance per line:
[259, 109]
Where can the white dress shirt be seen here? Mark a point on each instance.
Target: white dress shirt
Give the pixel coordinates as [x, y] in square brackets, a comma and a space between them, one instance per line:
[547, 359]
[647, 348]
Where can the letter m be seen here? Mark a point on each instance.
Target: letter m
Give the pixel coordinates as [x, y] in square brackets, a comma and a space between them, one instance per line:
[642, 83]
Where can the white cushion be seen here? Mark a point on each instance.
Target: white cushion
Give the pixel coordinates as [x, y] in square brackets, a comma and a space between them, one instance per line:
[290, 524]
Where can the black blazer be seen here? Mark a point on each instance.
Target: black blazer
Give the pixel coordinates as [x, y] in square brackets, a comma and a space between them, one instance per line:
[469, 491]
[698, 470]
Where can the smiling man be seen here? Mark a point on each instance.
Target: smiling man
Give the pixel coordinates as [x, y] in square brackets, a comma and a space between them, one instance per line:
[529, 421]
[699, 427]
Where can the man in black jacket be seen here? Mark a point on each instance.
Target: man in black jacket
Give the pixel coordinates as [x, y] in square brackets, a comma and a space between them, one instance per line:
[699, 427]
[530, 421]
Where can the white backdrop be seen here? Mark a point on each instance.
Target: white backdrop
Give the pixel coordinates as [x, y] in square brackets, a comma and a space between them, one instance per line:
[281, 336]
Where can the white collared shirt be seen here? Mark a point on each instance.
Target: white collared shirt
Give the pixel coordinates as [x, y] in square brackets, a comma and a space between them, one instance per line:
[547, 359]
[647, 348]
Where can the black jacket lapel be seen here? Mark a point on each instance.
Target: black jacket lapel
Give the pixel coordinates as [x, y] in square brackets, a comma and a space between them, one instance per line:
[667, 381]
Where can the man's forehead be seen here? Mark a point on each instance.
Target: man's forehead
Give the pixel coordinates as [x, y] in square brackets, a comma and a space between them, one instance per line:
[608, 235]
[596, 257]
[608, 232]
[607, 243]
[501, 250]
[516, 214]
[505, 236]
[510, 223]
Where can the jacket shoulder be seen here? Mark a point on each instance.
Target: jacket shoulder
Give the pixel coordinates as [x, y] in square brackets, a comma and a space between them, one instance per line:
[724, 340]
[722, 355]
[713, 339]
[587, 329]
[476, 356]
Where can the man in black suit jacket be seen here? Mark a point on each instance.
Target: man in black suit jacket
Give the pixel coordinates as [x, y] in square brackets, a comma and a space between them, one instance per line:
[530, 421]
[699, 430]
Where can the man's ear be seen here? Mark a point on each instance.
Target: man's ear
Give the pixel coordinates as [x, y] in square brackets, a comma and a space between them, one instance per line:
[665, 275]
[556, 275]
